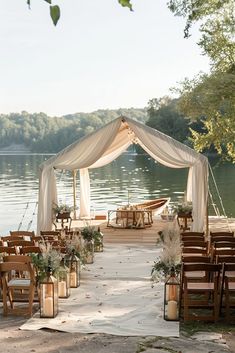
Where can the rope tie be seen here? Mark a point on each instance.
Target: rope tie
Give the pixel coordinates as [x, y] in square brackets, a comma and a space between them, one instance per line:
[219, 196]
[27, 205]
[34, 212]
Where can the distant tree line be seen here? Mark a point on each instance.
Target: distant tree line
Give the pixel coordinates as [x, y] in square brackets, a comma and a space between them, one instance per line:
[164, 115]
[41, 133]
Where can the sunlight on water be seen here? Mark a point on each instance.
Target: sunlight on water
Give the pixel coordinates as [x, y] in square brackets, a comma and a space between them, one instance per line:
[140, 175]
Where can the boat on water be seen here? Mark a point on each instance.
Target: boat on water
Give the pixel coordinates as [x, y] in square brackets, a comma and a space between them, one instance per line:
[156, 205]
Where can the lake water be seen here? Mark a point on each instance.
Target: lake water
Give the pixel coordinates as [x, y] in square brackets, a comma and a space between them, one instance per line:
[139, 174]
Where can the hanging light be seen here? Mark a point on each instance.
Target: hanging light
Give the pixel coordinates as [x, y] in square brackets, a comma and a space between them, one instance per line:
[49, 295]
[171, 297]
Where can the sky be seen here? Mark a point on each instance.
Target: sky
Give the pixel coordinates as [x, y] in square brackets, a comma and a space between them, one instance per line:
[99, 56]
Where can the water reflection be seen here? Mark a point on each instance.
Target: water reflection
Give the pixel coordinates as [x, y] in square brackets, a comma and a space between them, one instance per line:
[138, 174]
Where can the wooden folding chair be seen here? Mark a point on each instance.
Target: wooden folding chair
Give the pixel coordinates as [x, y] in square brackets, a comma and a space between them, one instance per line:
[200, 296]
[16, 287]
[228, 291]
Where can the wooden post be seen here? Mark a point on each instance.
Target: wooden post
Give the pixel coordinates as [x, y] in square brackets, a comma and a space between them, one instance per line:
[74, 194]
[207, 218]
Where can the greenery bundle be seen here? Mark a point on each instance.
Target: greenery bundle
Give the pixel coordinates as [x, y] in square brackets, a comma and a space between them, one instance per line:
[49, 257]
[170, 257]
[62, 208]
[185, 207]
[88, 233]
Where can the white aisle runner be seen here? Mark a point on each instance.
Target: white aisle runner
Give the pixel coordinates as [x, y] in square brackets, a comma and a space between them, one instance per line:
[115, 297]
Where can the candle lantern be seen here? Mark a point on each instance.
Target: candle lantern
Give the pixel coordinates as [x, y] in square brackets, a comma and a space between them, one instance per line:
[63, 281]
[73, 264]
[98, 241]
[89, 251]
[49, 295]
[171, 297]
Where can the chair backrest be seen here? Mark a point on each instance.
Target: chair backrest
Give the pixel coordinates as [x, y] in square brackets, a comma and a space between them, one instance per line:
[193, 234]
[37, 238]
[50, 232]
[20, 243]
[196, 259]
[22, 233]
[8, 250]
[30, 250]
[223, 239]
[225, 244]
[221, 234]
[17, 258]
[194, 250]
[195, 243]
[226, 258]
[205, 267]
[191, 238]
[16, 266]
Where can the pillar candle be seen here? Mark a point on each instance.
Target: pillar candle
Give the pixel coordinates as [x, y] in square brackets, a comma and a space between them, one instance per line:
[62, 289]
[48, 307]
[73, 279]
[172, 310]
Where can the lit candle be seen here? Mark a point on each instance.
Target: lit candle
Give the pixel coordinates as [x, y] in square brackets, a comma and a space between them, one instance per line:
[172, 310]
[89, 258]
[73, 279]
[62, 289]
[48, 307]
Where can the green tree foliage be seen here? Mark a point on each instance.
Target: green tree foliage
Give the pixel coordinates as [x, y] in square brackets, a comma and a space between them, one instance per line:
[55, 9]
[41, 133]
[165, 117]
[198, 11]
[211, 100]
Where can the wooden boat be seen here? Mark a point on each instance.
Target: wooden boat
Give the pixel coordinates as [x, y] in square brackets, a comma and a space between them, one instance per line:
[156, 205]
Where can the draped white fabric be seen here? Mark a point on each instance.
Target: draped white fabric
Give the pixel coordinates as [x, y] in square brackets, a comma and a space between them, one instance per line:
[105, 145]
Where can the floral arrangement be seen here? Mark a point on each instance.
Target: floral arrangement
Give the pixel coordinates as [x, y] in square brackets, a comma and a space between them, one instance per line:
[62, 208]
[170, 257]
[184, 207]
[49, 257]
[88, 233]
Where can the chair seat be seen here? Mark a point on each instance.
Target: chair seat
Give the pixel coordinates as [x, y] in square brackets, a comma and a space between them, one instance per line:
[19, 282]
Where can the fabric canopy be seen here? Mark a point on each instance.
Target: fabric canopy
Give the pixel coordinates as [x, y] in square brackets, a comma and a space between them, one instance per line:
[105, 145]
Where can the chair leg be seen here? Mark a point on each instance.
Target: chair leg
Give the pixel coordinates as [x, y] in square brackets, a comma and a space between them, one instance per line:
[185, 304]
[31, 298]
[4, 298]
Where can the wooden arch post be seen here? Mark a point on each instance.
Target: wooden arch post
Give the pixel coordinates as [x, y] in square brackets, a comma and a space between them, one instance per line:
[74, 194]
